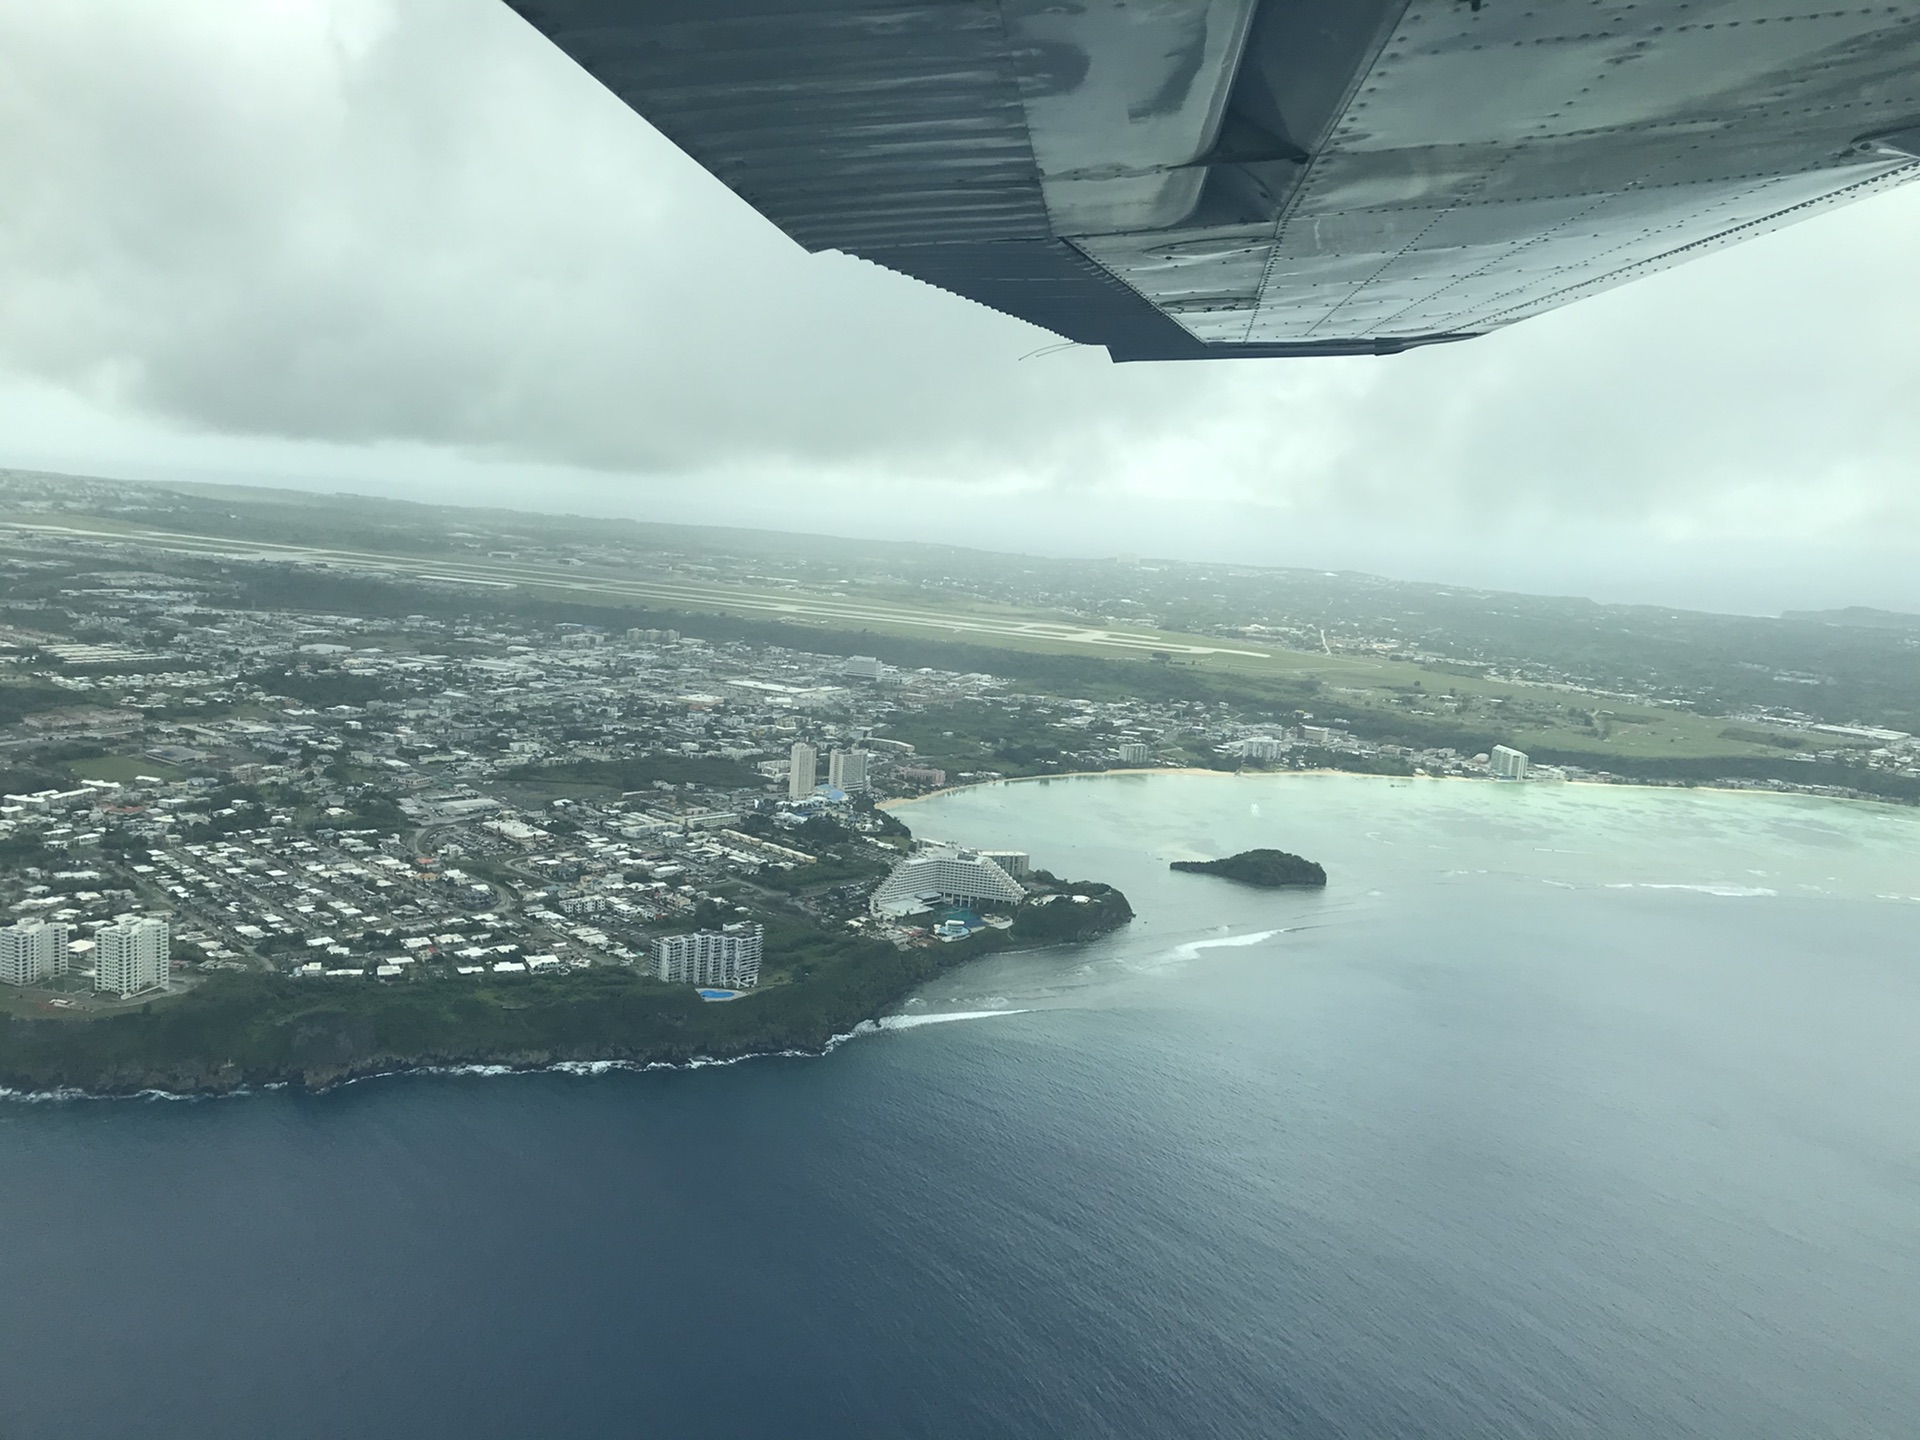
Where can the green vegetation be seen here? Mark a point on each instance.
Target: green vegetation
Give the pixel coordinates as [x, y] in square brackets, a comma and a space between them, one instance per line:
[1712, 769]
[124, 769]
[800, 952]
[839, 866]
[233, 1029]
[842, 858]
[1080, 910]
[17, 778]
[321, 686]
[19, 700]
[366, 810]
[20, 851]
[623, 775]
[236, 1029]
[1376, 696]
[1771, 739]
[1842, 666]
[972, 736]
[1269, 869]
[1314, 757]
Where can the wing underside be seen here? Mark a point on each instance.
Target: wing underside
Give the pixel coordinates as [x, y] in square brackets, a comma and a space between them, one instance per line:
[1178, 179]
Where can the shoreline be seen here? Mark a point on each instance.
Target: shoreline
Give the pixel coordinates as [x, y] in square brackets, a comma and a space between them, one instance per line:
[1854, 799]
[323, 1078]
[478, 1069]
[195, 1078]
[1063, 775]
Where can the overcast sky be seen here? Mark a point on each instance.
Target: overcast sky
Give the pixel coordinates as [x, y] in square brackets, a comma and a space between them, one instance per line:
[406, 247]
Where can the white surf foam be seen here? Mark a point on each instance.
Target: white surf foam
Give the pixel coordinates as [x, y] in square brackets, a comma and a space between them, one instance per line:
[912, 1022]
[1191, 950]
[1735, 892]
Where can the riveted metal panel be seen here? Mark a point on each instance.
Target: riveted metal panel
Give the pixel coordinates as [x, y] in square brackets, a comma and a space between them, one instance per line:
[1309, 177]
[846, 125]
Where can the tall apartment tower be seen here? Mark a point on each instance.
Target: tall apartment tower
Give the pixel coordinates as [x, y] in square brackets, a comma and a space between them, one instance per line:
[1508, 763]
[804, 772]
[133, 954]
[32, 951]
[847, 771]
[727, 956]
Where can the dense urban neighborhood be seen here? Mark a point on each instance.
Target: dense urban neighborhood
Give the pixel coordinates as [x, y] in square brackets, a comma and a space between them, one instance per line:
[308, 765]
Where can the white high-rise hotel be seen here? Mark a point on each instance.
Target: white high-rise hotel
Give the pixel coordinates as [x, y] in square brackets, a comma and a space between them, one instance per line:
[847, 772]
[803, 773]
[1508, 763]
[32, 951]
[728, 956]
[133, 954]
[943, 872]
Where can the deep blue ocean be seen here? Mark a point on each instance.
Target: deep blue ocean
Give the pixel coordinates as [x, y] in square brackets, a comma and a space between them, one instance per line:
[1564, 1111]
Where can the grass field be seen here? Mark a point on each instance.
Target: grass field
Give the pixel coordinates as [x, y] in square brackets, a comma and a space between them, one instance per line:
[124, 769]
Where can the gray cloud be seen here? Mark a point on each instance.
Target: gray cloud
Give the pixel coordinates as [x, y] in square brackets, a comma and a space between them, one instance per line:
[361, 223]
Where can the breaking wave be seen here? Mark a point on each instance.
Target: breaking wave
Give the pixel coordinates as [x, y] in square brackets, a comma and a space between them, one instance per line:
[1191, 950]
[913, 1022]
[67, 1094]
[1736, 892]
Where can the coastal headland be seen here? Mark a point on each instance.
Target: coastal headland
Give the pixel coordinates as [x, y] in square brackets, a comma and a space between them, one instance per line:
[241, 1030]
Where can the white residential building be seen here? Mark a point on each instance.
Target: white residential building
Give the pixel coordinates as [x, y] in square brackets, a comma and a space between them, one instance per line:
[862, 667]
[847, 772]
[944, 873]
[32, 951]
[133, 954]
[1015, 862]
[727, 957]
[802, 771]
[1508, 763]
[1262, 747]
[1133, 752]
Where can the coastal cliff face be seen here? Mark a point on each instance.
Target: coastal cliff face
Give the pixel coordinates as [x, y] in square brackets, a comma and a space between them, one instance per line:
[237, 1031]
[1271, 869]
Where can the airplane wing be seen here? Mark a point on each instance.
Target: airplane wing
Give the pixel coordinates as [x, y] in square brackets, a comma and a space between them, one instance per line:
[1182, 179]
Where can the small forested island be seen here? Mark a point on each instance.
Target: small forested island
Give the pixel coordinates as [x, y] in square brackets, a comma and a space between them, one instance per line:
[1270, 869]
